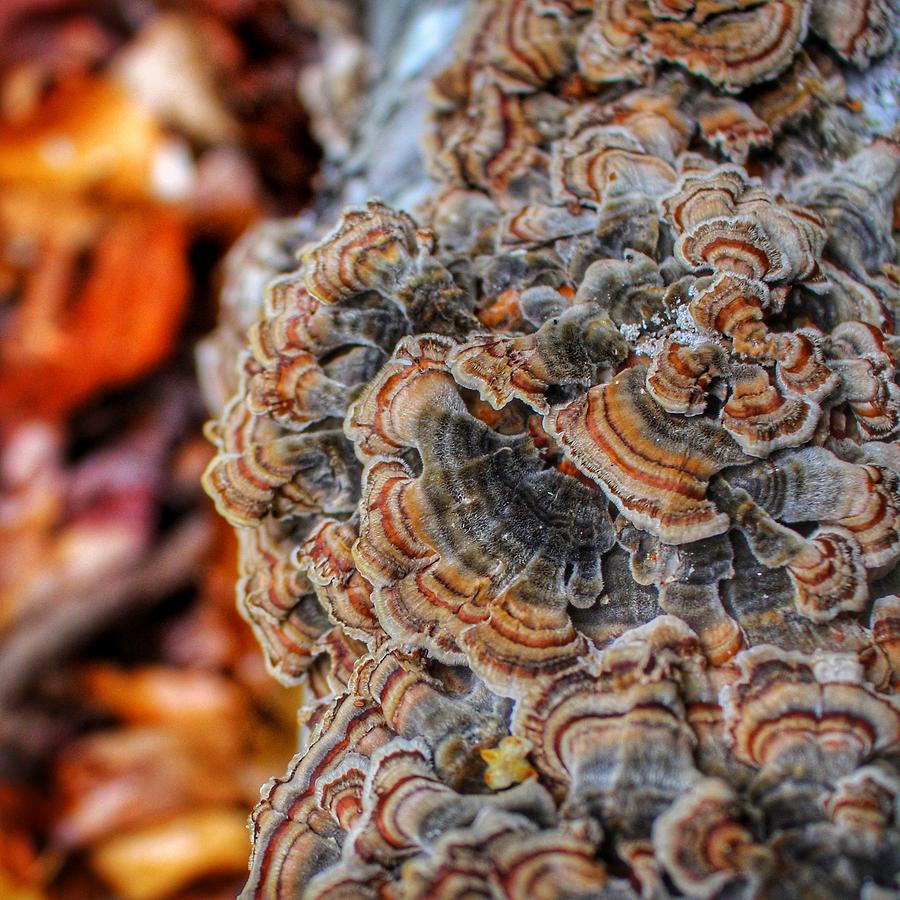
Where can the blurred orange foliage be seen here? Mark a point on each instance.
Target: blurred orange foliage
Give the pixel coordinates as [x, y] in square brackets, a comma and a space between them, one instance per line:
[66, 344]
[135, 146]
[106, 279]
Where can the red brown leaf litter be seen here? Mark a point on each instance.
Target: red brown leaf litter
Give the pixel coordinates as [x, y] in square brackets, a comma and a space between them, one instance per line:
[138, 720]
[569, 494]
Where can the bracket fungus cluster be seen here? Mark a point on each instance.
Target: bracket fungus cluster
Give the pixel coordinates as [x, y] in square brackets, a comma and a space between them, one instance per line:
[573, 500]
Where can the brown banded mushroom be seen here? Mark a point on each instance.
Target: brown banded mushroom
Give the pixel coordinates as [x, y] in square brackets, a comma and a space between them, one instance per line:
[568, 349]
[732, 126]
[653, 466]
[727, 221]
[761, 419]
[442, 575]
[859, 30]
[614, 731]
[278, 602]
[733, 44]
[705, 842]
[571, 498]
[679, 375]
[821, 724]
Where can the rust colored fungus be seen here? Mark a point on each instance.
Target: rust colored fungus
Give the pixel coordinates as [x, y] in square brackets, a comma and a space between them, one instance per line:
[857, 29]
[726, 222]
[706, 842]
[733, 43]
[679, 375]
[885, 624]
[573, 496]
[732, 126]
[769, 720]
[654, 466]
[502, 367]
[761, 419]
[442, 585]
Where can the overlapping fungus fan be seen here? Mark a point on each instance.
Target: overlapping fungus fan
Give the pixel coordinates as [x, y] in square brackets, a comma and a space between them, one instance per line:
[573, 497]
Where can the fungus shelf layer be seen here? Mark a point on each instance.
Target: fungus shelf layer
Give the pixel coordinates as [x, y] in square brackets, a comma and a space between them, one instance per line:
[572, 494]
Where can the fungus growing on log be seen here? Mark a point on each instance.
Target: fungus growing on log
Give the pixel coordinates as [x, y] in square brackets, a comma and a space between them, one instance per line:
[580, 475]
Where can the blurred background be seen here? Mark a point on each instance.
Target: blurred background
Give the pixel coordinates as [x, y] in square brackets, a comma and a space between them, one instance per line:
[138, 140]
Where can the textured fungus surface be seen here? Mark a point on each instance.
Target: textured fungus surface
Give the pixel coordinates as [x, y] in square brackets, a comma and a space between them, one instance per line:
[572, 495]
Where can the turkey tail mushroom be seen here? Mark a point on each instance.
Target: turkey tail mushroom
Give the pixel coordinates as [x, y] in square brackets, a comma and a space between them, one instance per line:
[574, 500]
